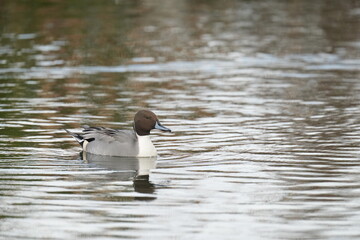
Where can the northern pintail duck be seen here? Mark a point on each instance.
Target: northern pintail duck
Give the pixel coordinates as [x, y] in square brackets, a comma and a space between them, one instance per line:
[125, 143]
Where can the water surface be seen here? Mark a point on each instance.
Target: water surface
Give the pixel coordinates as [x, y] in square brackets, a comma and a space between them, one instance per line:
[262, 98]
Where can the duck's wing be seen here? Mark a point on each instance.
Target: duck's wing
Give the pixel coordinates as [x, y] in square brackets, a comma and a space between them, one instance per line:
[107, 141]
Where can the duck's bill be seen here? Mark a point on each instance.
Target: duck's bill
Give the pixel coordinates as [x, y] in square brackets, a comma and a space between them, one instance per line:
[161, 127]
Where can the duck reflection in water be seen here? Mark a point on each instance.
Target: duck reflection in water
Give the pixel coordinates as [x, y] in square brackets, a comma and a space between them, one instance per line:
[126, 168]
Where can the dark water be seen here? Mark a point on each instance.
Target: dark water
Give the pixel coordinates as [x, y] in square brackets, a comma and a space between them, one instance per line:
[262, 96]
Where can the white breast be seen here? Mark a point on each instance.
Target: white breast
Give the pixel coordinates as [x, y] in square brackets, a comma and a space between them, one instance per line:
[146, 147]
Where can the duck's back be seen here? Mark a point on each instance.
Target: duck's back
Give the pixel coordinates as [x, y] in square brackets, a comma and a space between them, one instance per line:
[107, 141]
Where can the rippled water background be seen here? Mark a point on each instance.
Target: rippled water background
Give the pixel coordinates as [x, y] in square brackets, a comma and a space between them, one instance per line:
[262, 98]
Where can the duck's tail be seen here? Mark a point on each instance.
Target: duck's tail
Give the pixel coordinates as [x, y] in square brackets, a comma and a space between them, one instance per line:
[80, 139]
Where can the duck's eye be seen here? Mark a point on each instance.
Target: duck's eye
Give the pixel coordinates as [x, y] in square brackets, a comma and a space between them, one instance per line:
[147, 117]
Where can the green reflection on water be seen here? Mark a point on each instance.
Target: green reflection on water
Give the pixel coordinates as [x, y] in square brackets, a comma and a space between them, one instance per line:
[76, 32]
